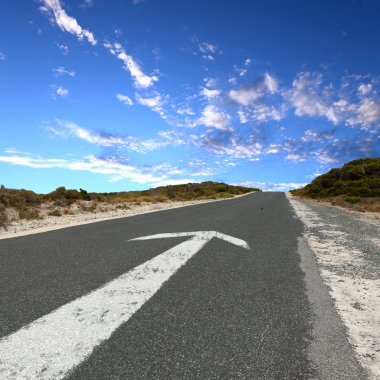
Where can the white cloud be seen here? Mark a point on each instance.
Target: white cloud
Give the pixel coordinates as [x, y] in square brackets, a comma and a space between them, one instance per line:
[229, 145]
[210, 82]
[213, 117]
[140, 79]
[208, 57]
[295, 157]
[248, 61]
[58, 90]
[64, 48]
[248, 95]
[272, 186]
[263, 112]
[66, 22]
[245, 95]
[89, 137]
[63, 92]
[185, 111]
[3, 57]
[364, 89]
[243, 117]
[154, 102]
[87, 4]
[205, 48]
[367, 113]
[15, 151]
[306, 97]
[124, 99]
[209, 94]
[208, 50]
[62, 71]
[107, 140]
[110, 167]
[311, 136]
[270, 83]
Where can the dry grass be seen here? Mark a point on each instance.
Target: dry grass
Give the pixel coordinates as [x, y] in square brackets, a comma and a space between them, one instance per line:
[350, 203]
[28, 205]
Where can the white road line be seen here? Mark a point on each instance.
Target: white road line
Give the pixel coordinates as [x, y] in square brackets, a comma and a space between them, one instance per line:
[51, 346]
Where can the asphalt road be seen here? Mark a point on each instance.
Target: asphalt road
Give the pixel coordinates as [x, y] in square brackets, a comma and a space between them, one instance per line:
[229, 313]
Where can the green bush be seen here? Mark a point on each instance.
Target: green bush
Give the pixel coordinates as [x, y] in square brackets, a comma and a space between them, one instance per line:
[358, 178]
[353, 200]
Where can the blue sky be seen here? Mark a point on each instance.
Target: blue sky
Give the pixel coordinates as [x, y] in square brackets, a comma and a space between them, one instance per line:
[131, 94]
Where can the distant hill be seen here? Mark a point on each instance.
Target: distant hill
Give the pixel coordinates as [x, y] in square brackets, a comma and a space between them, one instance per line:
[28, 205]
[357, 182]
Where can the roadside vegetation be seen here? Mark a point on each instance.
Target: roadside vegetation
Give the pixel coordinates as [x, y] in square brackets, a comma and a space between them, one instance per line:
[356, 186]
[25, 204]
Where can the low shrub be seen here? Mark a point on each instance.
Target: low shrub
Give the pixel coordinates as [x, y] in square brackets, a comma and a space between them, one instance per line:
[3, 216]
[29, 214]
[55, 212]
[353, 200]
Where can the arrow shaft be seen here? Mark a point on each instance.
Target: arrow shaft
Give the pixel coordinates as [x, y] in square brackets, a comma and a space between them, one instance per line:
[51, 346]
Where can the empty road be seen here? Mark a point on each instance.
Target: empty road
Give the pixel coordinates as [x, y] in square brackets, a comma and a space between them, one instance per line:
[230, 292]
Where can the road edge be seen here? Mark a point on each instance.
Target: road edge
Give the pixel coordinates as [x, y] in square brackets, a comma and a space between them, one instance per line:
[330, 350]
[39, 230]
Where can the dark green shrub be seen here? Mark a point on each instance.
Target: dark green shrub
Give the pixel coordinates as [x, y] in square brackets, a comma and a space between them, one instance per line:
[353, 200]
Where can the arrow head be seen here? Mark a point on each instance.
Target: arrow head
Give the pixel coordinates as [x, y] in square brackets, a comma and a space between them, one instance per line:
[198, 235]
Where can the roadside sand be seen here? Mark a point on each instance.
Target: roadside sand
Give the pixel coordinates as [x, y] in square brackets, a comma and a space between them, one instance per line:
[346, 247]
[368, 217]
[28, 227]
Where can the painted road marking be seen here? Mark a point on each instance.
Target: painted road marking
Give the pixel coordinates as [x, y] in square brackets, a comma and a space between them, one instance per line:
[51, 346]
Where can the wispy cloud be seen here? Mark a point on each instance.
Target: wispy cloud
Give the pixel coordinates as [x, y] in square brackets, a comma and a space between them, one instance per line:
[62, 71]
[3, 57]
[132, 143]
[154, 103]
[208, 51]
[113, 169]
[140, 79]
[126, 100]
[154, 176]
[66, 22]
[64, 48]
[87, 4]
[229, 144]
[247, 95]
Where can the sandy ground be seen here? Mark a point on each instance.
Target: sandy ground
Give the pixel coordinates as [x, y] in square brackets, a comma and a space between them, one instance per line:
[368, 217]
[49, 223]
[346, 245]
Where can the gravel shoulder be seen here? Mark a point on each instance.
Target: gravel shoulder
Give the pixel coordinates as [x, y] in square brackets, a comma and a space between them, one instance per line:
[346, 246]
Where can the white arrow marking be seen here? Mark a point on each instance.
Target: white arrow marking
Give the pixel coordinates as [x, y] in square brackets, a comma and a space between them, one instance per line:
[51, 346]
